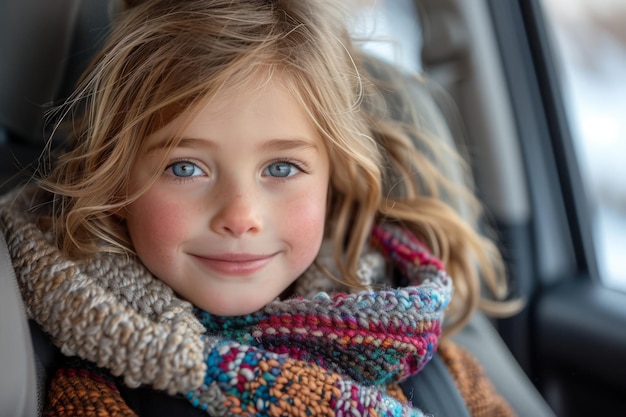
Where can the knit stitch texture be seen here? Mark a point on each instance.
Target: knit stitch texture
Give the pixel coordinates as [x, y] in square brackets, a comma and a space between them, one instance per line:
[331, 354]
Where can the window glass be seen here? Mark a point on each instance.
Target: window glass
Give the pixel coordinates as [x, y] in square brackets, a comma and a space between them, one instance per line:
[389, 30]
[590, 40]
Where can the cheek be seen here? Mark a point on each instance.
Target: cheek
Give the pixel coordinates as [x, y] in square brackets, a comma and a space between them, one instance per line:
[155, 224]
[304, 223]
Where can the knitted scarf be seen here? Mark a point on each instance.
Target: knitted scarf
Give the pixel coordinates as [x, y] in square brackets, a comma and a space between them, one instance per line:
[324, 355]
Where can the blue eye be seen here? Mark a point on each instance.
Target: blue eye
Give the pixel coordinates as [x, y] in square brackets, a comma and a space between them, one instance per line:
[184, 169]
[281, 169]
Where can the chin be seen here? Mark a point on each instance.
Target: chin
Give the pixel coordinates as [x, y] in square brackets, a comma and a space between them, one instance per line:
[232, 309]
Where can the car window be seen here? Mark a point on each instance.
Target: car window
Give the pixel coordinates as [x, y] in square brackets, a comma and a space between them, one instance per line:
[590, 43]
[389, 30]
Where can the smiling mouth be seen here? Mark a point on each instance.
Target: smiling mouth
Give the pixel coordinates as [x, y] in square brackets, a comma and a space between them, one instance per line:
[235, 264]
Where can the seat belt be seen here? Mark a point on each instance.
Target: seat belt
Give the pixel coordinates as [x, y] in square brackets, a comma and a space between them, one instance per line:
[18, 384]
[434, 392]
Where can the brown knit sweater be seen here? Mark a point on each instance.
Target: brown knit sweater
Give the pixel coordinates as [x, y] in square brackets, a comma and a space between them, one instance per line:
[481, 397]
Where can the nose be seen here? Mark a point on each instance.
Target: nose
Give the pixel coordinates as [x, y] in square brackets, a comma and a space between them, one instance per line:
[238, 214]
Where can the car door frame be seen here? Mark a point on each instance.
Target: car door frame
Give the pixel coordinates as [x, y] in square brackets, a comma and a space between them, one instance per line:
[495, 59]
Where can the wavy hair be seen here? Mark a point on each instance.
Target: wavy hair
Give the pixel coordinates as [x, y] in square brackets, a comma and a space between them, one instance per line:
[166, 56]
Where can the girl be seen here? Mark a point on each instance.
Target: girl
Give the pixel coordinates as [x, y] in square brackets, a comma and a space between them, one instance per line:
[238, 222]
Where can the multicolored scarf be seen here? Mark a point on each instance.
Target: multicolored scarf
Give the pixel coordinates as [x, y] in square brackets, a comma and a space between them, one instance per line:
[325, 355]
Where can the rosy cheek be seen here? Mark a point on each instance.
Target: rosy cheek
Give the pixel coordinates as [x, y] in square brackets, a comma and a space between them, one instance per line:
[308, 214]
[155, 223]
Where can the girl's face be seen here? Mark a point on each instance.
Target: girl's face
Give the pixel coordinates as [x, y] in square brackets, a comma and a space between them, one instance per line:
[238, 211]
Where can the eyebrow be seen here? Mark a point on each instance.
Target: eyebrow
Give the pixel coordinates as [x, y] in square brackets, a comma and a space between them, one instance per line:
[289, 144]
[276, 145]
[192, 143]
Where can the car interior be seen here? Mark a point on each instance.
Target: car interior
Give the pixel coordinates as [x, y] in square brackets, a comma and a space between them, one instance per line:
[488, 84]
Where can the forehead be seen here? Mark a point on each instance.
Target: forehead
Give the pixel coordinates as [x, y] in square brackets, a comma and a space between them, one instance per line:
[264, 107]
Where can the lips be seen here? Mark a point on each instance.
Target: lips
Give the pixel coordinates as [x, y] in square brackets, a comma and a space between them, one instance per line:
[235, 263]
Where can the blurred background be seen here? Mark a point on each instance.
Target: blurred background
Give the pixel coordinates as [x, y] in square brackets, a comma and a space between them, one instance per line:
[589, 41]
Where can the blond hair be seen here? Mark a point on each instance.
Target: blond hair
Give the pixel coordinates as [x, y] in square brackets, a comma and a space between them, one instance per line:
[165, 56]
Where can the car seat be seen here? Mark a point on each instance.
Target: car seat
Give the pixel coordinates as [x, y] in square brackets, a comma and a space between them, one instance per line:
[45, 46]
